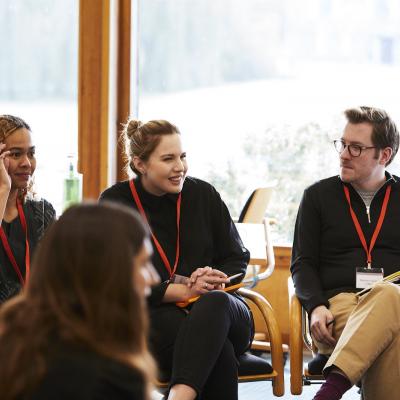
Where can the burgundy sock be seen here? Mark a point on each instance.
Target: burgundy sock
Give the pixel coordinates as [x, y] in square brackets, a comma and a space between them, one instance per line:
[333, 388]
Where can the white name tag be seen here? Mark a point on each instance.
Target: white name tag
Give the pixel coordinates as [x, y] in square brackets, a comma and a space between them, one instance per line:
[366, 277]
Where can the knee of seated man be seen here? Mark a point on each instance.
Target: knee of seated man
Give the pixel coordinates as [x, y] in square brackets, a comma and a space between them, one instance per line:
[386, 291]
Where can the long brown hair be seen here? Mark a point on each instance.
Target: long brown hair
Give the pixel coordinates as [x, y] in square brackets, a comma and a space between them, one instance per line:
[81, 290]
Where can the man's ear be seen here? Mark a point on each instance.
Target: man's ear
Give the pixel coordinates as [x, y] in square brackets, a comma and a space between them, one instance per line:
[139, 164]
[386, 155]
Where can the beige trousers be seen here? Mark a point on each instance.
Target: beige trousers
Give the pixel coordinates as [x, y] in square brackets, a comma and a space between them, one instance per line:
[367, 329]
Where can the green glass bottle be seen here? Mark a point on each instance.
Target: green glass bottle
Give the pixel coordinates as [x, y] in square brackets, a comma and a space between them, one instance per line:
[72, 185]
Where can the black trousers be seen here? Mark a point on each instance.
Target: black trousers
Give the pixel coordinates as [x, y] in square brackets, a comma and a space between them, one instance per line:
[200, 346]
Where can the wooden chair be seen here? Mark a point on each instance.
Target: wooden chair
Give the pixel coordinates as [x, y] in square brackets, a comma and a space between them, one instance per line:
[299, 335]
[253, 368]
[256, 206]
[253, 212]
[262, 255]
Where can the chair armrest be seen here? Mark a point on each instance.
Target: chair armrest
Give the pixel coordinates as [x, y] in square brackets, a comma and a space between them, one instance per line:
[270, 253]
[274, 336]
[257, 238]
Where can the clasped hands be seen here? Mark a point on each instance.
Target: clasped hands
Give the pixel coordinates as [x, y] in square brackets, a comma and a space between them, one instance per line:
[206, 279]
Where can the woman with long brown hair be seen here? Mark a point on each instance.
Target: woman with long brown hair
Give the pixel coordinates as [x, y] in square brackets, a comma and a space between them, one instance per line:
[78, 330]
[23, 216]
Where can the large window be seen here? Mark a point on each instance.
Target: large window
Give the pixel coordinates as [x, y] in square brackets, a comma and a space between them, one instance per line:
[38, 82]
[258, 87]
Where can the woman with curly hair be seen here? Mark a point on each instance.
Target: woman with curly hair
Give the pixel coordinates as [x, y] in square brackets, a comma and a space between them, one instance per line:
[23, 218]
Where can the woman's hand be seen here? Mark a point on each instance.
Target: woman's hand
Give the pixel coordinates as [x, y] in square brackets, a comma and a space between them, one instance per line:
[205, 279]
[5, 180]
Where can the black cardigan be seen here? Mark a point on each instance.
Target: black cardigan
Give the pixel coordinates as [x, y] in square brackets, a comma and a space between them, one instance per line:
[39, 215]
[207, 234]
[326, 247]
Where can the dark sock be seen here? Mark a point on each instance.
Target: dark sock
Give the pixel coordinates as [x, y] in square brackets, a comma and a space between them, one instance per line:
[317, 364]
[333, 388]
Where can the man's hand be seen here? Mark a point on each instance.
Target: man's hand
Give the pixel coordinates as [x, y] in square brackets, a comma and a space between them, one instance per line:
[321, 325]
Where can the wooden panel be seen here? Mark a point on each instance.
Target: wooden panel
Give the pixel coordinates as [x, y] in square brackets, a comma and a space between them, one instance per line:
[93, 92]
[275, 290]
[123, 79]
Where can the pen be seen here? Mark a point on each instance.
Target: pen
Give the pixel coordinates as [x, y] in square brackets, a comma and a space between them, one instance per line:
[235, 276]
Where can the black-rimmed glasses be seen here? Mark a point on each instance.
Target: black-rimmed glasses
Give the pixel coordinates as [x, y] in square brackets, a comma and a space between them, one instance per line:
[354, 149]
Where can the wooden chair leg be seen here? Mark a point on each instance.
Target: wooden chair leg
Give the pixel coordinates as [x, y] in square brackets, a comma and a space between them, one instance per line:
[274, 333]
[296, 346]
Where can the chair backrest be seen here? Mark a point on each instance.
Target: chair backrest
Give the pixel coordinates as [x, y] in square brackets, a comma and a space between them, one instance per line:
[256, 206]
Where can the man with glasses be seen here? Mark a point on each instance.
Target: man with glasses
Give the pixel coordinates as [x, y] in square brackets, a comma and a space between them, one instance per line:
[347, 238]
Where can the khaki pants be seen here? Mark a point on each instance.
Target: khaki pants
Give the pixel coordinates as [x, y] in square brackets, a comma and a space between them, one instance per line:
[367, 328]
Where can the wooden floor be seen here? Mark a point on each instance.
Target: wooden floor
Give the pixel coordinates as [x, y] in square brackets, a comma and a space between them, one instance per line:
[263, 391]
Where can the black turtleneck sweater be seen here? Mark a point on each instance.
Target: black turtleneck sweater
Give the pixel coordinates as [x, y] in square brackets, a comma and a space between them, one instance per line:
[208, 237]
[327, 249]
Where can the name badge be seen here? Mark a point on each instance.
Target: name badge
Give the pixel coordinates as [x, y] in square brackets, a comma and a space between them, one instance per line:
[366, 277]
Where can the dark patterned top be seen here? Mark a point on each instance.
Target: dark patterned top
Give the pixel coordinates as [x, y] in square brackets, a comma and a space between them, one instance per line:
[39, 214]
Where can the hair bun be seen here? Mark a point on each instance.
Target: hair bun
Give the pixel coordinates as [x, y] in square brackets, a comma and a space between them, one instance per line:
[133, 126]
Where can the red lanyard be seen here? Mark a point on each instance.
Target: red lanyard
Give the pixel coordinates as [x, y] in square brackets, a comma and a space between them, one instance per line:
[9, 252]
[156, 242]
[378, 225]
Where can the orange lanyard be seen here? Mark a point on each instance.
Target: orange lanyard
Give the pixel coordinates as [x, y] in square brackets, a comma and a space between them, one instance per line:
[9, 252]
[156, 242]
[378, 225]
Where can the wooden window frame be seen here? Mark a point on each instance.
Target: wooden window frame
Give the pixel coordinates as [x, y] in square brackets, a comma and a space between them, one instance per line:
[103, 90]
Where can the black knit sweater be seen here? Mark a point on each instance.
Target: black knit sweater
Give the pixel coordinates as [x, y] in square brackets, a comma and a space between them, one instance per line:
[208, 237]
[326, 247]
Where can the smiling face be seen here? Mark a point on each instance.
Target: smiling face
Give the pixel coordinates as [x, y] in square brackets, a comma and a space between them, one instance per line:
[165, 170]
[22, 161]
[367, 171]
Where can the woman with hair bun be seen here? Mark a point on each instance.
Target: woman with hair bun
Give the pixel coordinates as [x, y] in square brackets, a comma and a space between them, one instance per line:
[23, 218]
[78, 331]
[196, 248]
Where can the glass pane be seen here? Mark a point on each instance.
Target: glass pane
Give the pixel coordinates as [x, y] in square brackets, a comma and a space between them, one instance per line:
[38, 82]
[258, 87]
